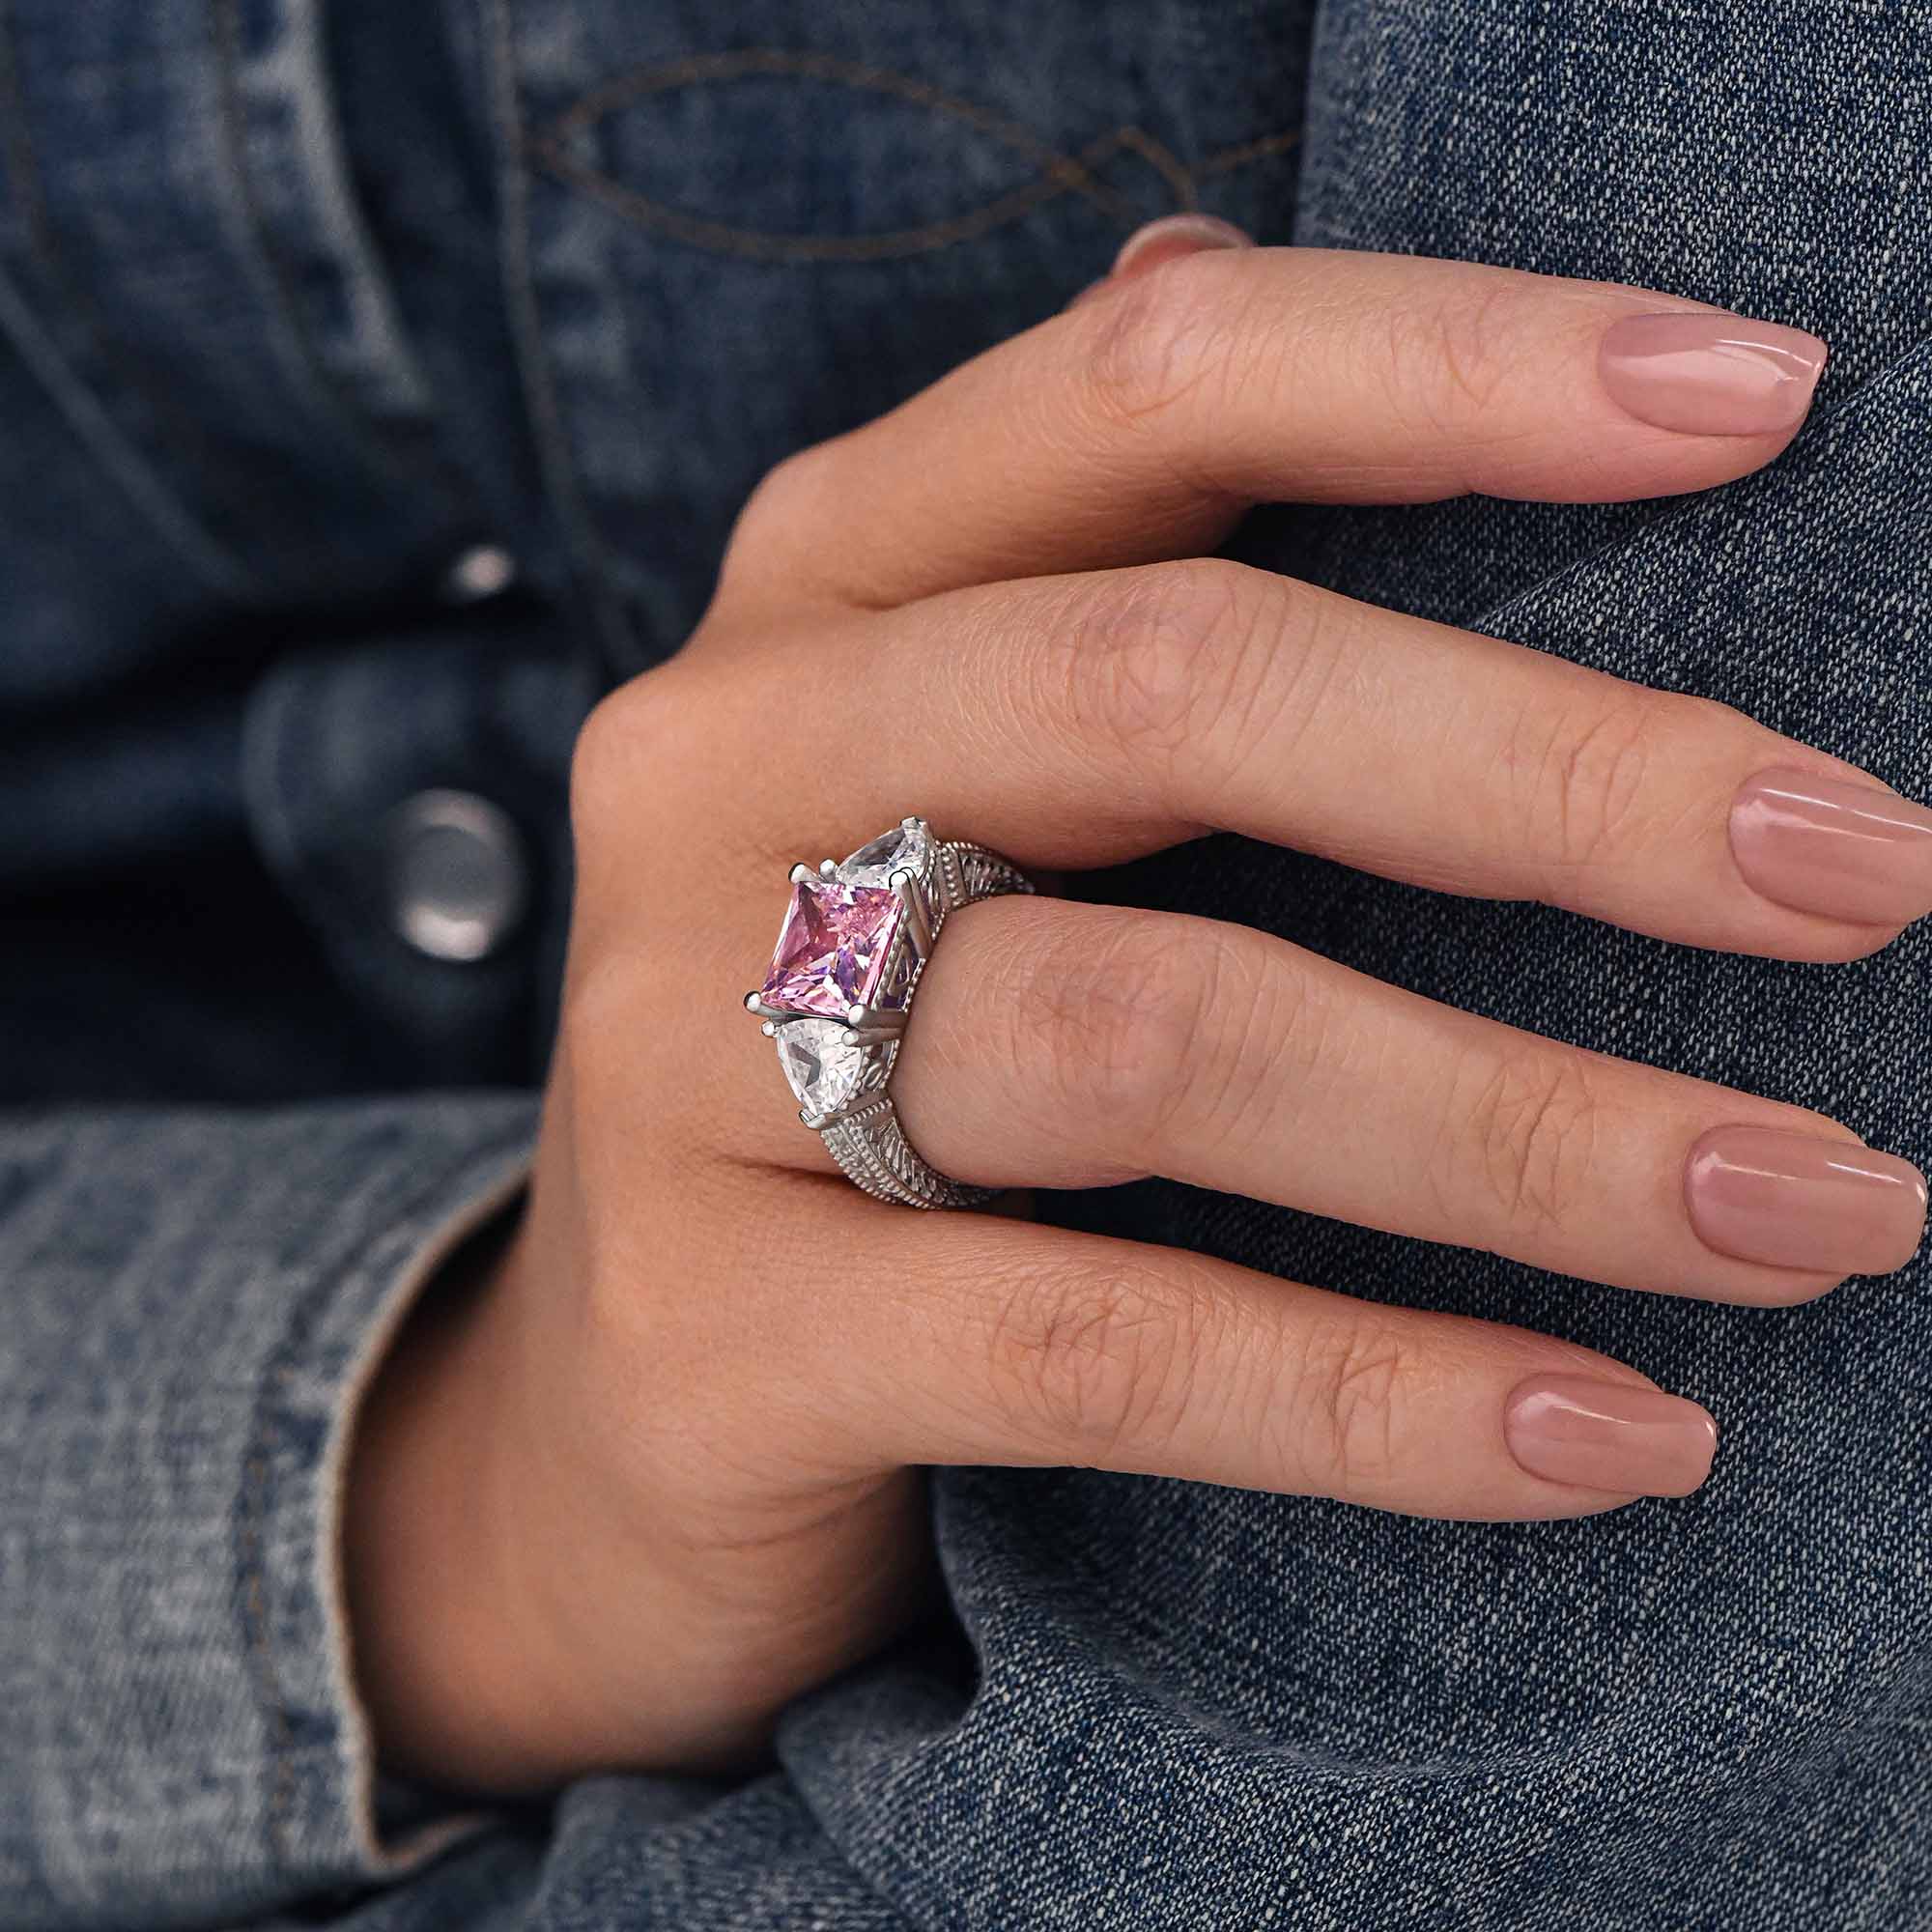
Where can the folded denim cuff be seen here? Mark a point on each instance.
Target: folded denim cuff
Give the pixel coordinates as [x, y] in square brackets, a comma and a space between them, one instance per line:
[195, 1303]
[322, 1799]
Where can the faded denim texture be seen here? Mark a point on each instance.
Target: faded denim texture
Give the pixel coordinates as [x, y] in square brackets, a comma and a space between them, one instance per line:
[295, 306]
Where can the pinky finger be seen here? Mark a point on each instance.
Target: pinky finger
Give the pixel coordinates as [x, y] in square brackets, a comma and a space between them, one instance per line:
[1026, 1345]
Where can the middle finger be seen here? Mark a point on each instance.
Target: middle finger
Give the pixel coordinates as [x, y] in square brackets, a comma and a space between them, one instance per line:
[1091, 719]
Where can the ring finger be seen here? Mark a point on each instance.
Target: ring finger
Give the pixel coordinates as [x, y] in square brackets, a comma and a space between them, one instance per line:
[1062, 1045]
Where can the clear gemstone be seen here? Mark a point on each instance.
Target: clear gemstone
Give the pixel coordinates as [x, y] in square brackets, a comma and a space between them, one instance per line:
[903, 849]
[823, 1070]
[834, 947]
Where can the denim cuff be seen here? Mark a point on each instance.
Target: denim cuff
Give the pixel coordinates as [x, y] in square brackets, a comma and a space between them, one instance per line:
[194, 1304]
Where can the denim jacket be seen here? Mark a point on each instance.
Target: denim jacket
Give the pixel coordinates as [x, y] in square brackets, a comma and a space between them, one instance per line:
[376, 386]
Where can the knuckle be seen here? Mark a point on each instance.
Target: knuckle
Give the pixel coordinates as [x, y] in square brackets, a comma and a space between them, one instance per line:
[649, 740]
[1118, 1010]
[1152, 655]
[1289, 665]
[1090, 1362]
[1589, 783]
[1258, 1027]
[1450, 362]
[1345, 1404]
[1601, 785]
[1524, 1147]
[610, 761]
[777, 557]
[788, 499]
[1159, 339]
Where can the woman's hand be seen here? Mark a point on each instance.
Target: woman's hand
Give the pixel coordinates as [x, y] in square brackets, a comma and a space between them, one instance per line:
[655, 1471]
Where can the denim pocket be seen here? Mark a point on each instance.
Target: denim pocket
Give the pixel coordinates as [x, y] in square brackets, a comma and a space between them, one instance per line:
[722, 247]
[783, 156]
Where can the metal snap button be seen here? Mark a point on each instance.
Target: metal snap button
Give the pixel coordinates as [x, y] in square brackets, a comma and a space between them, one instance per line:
[458, 878]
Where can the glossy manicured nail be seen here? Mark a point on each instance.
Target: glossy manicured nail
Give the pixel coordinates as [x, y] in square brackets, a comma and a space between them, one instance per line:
[1710, 374]
[1796, 1201]
[1834, 846]
[1610, 1436]
[1174, 236]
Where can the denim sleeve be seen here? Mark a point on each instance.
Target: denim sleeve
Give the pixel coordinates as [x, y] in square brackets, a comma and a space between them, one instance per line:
[191, 1303]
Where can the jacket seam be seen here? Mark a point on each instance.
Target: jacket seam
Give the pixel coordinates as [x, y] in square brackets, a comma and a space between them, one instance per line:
[92, 424]
[540, 399]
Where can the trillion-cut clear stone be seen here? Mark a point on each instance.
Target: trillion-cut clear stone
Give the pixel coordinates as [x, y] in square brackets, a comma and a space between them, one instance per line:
[823, 1070]
[903, 849]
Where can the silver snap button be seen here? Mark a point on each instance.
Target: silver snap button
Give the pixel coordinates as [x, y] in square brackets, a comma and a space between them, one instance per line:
[486, 571]
[458, 876]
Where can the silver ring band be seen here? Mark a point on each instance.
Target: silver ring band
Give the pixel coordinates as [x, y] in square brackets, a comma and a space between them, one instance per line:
[850, 954]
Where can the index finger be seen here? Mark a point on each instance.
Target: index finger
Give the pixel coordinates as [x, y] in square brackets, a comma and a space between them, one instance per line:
[1139, 425]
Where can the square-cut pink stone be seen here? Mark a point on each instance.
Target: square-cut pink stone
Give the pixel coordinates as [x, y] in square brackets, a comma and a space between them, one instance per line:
[832, 947]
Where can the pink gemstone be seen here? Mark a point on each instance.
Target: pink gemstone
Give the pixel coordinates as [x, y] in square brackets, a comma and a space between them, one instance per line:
[833, 949]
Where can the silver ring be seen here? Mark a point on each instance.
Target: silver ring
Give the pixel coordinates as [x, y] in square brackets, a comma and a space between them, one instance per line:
[855, 940]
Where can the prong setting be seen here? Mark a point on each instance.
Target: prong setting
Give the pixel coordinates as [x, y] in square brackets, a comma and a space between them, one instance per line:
[860, 931]
[832, 1115]
[919, 929]
[872, 1026]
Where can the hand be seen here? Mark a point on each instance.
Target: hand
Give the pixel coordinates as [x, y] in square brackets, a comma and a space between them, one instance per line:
[654, 1471]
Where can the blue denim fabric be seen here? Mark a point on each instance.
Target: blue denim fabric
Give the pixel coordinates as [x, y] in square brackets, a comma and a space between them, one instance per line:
[296, 306]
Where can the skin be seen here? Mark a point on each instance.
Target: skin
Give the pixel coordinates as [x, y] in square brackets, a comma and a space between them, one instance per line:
[646, 1467]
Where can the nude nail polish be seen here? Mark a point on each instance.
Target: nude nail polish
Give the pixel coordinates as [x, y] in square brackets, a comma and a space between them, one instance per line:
[1834, 846]
[1799, 1200]
[1174, 236]
[1610, 1436]
[1707, 373]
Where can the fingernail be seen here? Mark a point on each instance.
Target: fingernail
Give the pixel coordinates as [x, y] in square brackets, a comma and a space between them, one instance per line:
[1610, 1436]
[1798, 1201]
[1174, 236]
[1835, 847]
[1710, 374]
